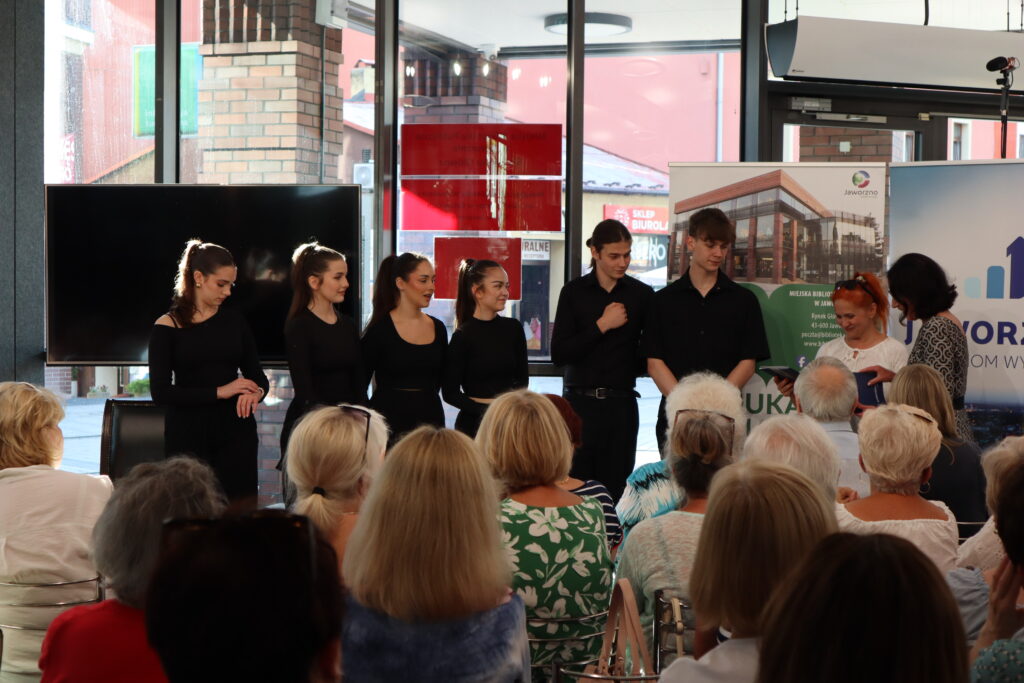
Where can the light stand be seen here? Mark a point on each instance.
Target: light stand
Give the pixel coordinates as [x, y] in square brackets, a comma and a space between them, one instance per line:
[1006, 81]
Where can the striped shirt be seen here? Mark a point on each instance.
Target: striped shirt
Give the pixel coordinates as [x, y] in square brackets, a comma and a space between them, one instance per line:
[595, 489]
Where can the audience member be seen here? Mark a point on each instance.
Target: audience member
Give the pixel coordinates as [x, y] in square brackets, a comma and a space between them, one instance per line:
[863, 608]
[107, 641]
[427, 574]
[650, 490]
[555, 540]
[957, 478]
[898, 444]
[46, 520]
[590, 488]
[826, 391]
[333, 454]
[763, 519]
[984, 550]
[251, 598]
[800, 442]
[660, 551]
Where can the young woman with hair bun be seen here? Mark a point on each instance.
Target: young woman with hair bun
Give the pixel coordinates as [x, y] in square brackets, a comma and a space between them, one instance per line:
[403, 347]
[324, 355]
[487, 353]
[210, 409]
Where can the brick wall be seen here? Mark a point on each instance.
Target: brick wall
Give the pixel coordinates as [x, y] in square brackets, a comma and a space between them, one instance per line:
[434, 93]
[58, 380]
[822, 143]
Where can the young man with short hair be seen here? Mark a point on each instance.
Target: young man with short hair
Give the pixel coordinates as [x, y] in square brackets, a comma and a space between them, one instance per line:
[703, 320]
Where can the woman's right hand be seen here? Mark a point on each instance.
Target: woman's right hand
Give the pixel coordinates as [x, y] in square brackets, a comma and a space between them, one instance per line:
[239, 386]
[785, 386]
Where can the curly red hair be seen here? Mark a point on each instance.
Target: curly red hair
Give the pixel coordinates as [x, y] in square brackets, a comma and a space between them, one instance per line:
[867, 290]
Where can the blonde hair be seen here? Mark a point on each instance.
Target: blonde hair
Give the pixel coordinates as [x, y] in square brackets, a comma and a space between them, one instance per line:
[707, 391]
[897, 443]
[525, 439]
[921, 386]
[26, 412]
[800, 442]
[762, 519]
[997, 462]
[333, 449]
[427, 545]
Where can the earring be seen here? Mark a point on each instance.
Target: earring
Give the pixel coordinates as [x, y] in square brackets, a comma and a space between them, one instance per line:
[199, 284]
[927, 484]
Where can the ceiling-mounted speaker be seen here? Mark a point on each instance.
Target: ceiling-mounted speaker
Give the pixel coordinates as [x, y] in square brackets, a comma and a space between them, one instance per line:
[332, 13]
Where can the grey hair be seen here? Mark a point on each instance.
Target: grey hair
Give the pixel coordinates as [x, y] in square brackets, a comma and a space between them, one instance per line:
[126, 538]
[821, 396]
[706, 391]
[800, 442]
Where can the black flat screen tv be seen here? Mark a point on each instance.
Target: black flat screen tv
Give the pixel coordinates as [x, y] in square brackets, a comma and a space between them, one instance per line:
[112, 253]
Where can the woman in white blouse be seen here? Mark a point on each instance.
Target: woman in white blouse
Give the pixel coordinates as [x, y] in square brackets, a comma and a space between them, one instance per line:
[898, 444]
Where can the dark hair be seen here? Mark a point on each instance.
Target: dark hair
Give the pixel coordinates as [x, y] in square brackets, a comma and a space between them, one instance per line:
[220, 607]
[471, 274]
[712, 224]
[608, 231]
[920, 285]
[1009, 513]
[308, 260]
[385, 293]
[863, 608]
[205, 257]
[701, 448]
[572, 420]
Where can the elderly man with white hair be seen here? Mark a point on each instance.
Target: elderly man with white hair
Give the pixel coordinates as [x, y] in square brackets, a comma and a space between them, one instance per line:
[826, 391]
[801, 443]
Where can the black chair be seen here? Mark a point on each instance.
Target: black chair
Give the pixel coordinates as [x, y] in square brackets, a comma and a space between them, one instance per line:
[133, 432]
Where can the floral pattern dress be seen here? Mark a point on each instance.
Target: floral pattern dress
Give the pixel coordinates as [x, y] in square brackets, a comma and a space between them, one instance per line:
[561, 568]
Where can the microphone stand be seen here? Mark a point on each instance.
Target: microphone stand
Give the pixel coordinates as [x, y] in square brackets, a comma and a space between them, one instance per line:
[1004, 105]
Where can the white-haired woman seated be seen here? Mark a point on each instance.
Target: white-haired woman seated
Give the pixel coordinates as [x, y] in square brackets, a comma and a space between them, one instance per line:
[555, 539]
[427, 575]
[46, 520]
[333, 454]
[897, 446]
[650, 490]
[800, 442]
[107, 641]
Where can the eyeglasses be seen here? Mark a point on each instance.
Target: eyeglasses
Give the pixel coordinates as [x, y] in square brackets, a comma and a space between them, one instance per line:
[856, 283]
[698, 411]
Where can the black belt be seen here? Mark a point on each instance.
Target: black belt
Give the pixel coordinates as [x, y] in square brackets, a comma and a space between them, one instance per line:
[958, 403]
[602, 392]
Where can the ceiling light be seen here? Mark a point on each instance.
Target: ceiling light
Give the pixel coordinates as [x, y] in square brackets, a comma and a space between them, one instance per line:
[457, 68]
[595, 24]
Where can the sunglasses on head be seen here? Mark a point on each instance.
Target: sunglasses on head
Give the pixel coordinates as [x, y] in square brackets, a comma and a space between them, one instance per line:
[856, 283]
[698, 411]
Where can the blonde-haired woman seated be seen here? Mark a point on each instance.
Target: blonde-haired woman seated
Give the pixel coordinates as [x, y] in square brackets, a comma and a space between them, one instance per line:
[897, 446]
[46, 521]
[555, 539]
[984, 550]
[333, 453]
[763, 519]
[427, 575]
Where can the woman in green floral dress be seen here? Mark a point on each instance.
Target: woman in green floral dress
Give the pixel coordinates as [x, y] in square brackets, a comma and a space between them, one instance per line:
[555, 539]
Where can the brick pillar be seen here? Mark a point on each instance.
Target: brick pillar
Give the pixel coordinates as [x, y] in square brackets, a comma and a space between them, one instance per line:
[434, 93]
[260, 94]
[822, 143]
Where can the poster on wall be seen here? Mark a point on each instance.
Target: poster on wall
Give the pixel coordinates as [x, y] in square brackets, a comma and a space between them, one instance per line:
[450, 251]
[964, 215]
[800, 228]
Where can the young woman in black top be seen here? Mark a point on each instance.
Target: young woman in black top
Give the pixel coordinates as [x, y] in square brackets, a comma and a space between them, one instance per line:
[403, 347]
[324, 356]
[210, 409]
[487, 354]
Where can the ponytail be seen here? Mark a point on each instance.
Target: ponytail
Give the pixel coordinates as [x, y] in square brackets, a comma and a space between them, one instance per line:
[471, 274]
[385, 291]
[205, 257]
[308, 260]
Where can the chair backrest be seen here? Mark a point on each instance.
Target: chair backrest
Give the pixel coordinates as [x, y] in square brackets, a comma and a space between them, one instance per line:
[967, 529]
[593, 626]
[569, 673]
[30, 607]
[670, 629]
[133, 432]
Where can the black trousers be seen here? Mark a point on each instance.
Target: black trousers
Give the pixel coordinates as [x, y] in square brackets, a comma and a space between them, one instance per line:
[468, 422]
[660, 427]
[609, 440]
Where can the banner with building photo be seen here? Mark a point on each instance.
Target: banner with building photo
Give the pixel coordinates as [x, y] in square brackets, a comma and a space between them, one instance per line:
[800, 227]
[965, 216]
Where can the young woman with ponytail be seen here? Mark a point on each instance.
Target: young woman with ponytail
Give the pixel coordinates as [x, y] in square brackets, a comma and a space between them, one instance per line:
[324, 356]
[487, 354]
[403, 347]
[210, 409]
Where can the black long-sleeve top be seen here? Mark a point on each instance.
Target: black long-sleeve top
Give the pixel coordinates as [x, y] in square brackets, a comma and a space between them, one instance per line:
[325, 361]
[485, 358]
[202, 357]
[396, 364]
[593, 359]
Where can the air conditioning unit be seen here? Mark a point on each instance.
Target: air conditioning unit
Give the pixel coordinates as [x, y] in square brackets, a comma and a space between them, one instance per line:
[332, 13]
[362, 174]
[819, 49]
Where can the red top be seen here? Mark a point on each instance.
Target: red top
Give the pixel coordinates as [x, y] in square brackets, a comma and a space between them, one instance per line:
[102, 642]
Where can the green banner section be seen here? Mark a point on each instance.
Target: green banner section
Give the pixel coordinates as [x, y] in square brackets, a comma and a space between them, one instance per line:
[798, 319]
[144, 89]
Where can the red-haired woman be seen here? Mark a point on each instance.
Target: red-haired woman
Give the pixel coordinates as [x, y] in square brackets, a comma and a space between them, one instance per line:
[210, 409]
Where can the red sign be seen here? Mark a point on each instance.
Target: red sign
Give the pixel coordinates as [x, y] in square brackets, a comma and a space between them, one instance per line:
[489, 149]
[494, 204]
[450, 251]
[640, 218]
